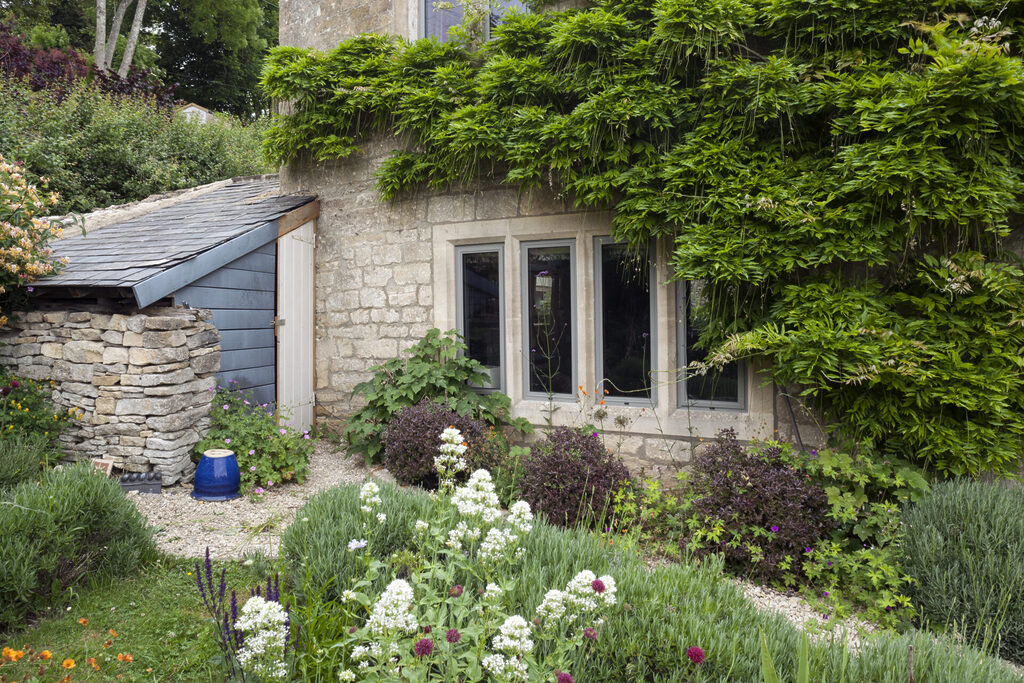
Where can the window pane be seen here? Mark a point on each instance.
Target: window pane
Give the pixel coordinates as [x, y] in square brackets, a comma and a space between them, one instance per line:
[439, 16]
[625, 322]
[549, 315]
[481, 310]
[722, 385]
[499, 8]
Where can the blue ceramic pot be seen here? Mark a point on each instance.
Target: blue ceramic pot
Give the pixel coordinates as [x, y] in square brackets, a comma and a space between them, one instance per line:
[217, 476]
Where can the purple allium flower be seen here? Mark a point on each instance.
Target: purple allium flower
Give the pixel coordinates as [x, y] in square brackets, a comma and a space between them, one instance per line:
[597, 585]
[455, 591]
[424, 647]
[695, 654]
[453, 635]
[590, 632]
[15, 384]
[563, 677]
[353, 629]
[428, 629]
[775, 529]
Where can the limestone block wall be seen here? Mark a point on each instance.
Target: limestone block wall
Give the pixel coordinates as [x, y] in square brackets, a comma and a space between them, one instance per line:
[142, 380]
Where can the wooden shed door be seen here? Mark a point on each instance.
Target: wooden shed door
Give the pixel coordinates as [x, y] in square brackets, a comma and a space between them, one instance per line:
[295, 329]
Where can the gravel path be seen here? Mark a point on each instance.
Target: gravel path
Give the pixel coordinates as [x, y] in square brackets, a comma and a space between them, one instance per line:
[186, 527]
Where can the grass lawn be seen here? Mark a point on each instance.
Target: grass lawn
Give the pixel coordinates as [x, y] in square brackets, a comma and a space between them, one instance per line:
[158, 618]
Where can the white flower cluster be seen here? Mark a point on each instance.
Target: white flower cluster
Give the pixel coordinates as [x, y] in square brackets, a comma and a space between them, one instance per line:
[520, 517]
[492, 593]
[346, 675]
[421, 526]
[369, 495]
[264, 623]
[393, 611]
[461, 531]
[348, 596]
[497, 543]
[579, 598]
[477, 498]
[450, 461]
[506, 668]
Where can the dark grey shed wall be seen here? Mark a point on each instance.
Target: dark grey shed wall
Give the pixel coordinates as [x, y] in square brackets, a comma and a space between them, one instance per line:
[242, 296]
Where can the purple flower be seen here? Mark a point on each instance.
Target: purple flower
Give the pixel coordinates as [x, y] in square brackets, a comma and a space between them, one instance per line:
[258, 490]
[428, 629]
[807, 549]
[695, 654]
[826, 594]
[15, 384]
[252, 468]
[31, 289]
[453, 635]
[597, 585]
[814, 452]
[424, 647]
[590, 633]
[563, 677]
[252, 451]
[353, 629]
[455, 591]
[269, 483]
[284, 431]
[305, 436]
[227, 440]
[225, 406]
[775, 529]
[829, 564]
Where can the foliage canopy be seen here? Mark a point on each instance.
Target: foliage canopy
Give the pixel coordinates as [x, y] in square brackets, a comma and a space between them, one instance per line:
[843, 174]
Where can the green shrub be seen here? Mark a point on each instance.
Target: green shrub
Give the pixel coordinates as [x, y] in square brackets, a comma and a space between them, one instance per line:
[97, 149]
[72, 525]
[964, 547]
[268, 454]
[23, 457]
[26, 409]
[436, 369]
[505, 463]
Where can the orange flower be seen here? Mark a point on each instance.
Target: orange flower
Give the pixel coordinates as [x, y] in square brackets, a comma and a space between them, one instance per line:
[108, 643]
[68, 664]
[15, 655]
[7, 652]
[120, 656]
[602, 401]
[606, 392]
[112, 632]
[129, 658]
[46, 654]
[83, 621]
[92, 662]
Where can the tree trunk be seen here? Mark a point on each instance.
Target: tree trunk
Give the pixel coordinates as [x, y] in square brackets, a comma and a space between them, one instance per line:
[133, 39]
[115, 31]
[100, 52]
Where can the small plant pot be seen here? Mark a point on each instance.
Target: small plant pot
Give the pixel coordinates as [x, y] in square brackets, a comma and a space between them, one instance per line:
[217, 476]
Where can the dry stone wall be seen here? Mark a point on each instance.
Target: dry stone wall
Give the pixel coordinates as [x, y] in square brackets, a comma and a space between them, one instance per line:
[143, 381]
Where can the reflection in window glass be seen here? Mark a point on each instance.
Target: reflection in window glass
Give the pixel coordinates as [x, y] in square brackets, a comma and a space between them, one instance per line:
[440, 16]
[481, 317]
[721, 386]
[625, 314]
[549, 333]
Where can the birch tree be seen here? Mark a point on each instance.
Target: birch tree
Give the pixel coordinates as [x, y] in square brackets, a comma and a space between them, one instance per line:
[106, 41]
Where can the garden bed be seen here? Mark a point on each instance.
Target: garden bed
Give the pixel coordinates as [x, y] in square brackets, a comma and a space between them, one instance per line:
[186, 527]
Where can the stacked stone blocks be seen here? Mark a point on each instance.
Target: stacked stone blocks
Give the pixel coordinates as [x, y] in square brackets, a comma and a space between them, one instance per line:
[143, 381]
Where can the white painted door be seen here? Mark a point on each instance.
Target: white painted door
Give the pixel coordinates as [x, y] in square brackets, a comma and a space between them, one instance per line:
[295, 329]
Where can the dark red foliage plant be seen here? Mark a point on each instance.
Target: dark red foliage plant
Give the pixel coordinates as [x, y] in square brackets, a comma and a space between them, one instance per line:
[412, 438]
[570, 477]
[751, 506]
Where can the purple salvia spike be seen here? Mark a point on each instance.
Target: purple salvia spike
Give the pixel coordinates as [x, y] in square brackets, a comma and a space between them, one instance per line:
[223, 583]
[234, 608]
[199, 582]
[277, 588]
[209, 571]
[270, 595]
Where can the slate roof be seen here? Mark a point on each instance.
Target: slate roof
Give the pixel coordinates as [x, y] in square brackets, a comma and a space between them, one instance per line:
[129, 252]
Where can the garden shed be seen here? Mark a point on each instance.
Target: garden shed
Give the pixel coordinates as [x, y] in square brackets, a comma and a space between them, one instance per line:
[162, 300]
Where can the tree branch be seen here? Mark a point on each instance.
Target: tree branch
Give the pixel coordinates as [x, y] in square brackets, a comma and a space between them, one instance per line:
[100, 52]
[133, 39]
[115, 30]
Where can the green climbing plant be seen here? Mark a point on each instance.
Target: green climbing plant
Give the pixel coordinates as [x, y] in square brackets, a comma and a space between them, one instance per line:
[844, 175]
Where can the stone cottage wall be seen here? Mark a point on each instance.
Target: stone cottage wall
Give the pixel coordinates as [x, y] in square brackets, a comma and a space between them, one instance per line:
[141, 380]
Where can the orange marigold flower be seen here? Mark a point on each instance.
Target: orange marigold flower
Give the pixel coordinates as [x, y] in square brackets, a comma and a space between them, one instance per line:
[7, 652]
[83, 621]
[129, 658]
[16, 655]
[120, 656]
[92, 662]
[112, 632]
[46, 654]
[108, 643]
[68, 663]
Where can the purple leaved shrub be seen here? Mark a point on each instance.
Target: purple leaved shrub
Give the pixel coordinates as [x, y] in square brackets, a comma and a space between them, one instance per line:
[571, 477]
[771, 513]
[413, 436]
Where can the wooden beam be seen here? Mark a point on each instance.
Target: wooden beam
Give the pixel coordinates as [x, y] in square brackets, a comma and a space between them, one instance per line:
[298, 217]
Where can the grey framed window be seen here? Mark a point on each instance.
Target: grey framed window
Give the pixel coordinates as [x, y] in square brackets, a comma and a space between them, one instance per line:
[725, 388]
[624, 309]
[480, 307]
[549, 318]
[439, 16]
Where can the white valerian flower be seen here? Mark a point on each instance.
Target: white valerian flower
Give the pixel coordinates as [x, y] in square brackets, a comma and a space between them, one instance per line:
[552, 607]
[381, 517]
[514, 636]
[492, 592]
[356, 544]
[520, 517]
[265, 625]
[393, 611]
[505, 668]
[421, 526]
[496, 545]
[477, 498]
[348, 596]
[346, 675]
[369, 495]
[450, 461]
[361, 653]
